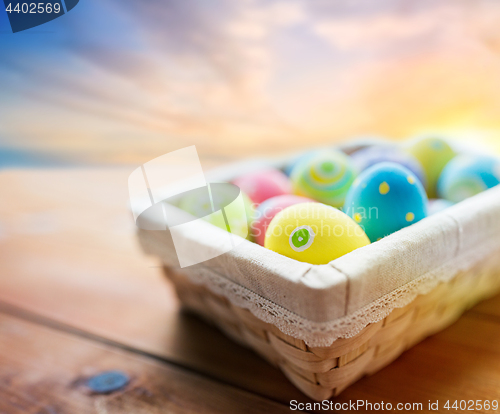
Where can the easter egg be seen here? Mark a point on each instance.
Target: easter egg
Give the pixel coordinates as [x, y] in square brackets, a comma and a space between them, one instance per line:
[433, 154]
[468, 175]
[436, 205]
[314, 233]
[385, 198]
[238, 224]
[326, 177]
[290, 166]
[376, 154]
[268, 209]
[263, 184]
[201, 203]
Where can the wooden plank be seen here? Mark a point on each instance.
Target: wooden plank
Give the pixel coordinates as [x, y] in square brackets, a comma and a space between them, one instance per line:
[489, 308]
[46, 371]
[67, 252]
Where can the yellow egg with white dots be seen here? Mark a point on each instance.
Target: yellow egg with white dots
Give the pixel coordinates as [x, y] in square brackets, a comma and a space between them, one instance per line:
[314, 233]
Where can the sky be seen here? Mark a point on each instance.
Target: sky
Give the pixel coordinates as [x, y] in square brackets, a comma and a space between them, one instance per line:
[121, 81]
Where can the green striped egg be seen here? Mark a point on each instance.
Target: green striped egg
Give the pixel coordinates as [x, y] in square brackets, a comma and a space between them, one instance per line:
[325, 177]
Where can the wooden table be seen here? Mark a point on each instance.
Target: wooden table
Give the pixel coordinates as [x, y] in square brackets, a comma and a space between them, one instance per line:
[77, 298]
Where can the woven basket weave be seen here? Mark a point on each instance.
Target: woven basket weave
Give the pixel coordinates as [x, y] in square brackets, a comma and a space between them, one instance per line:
[324, 372]
[326, 326]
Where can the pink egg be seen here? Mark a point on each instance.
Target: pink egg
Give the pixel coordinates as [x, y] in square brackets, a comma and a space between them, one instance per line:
[264, 184]
[268, 209]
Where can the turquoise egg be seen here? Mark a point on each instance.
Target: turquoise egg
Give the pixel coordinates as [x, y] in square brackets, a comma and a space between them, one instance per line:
[385, 198]
[468, 175]
[326, 177]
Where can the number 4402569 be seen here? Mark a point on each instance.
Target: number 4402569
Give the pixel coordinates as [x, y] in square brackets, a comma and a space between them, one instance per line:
[471, 405]
[34, 8]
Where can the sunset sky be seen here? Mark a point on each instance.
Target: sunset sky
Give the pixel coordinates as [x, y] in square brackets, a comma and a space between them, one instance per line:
[120, 81]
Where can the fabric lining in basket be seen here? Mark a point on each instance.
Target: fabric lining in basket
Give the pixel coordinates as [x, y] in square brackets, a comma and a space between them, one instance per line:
[318, 304]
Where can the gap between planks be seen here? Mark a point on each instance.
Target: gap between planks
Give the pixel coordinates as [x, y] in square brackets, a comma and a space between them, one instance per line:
[46, 371]
[26, 315]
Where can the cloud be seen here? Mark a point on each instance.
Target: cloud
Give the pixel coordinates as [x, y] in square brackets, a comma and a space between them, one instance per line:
[380, 30]
[125, 80]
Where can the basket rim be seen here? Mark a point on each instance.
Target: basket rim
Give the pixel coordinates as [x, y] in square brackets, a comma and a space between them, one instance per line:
[323, 293]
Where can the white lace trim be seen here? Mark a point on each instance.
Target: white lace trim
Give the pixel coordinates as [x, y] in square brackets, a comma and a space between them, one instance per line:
[323, 334]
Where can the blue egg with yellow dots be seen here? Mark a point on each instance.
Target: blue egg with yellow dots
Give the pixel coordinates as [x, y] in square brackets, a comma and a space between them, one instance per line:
[386, 198]
[467, 175]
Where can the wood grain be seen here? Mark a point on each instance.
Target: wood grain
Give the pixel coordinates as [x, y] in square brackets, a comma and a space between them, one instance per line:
[68, 253]
[45, 371]
[460, 363]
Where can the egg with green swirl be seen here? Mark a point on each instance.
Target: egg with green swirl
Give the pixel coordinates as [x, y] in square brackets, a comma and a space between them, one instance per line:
[325, 177]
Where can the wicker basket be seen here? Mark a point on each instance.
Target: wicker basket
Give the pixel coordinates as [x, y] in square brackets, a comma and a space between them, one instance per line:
[324, 372]
[327, 326]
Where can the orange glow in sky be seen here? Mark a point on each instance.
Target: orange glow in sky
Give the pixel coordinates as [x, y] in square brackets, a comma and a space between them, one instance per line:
[258, 77]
